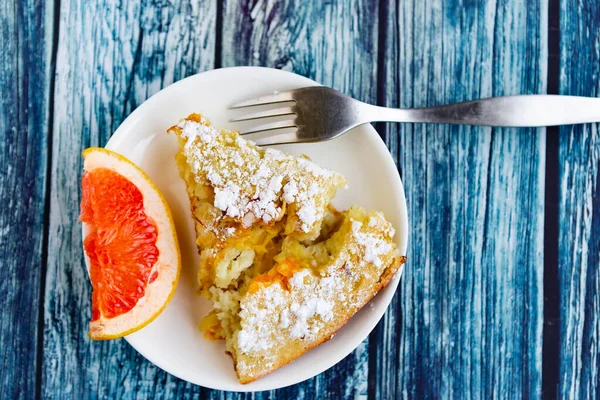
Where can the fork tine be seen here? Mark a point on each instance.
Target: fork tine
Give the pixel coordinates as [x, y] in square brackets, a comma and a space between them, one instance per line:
[269, 138]
[265, 114]
[270, 126]
[270, 99]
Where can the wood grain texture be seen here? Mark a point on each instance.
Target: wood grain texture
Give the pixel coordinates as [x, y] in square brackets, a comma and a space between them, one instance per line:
[106, 66]
[467, 319]
[579, 207]
[25, 46]
[467, 322]
[334, 43]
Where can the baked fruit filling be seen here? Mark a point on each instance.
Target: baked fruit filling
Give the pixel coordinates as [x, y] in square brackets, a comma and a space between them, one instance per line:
[283, 269]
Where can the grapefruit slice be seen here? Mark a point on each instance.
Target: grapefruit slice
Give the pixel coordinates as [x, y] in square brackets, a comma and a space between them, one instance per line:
[131, 245]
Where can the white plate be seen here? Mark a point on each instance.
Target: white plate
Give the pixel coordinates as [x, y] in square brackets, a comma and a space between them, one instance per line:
[173, 341]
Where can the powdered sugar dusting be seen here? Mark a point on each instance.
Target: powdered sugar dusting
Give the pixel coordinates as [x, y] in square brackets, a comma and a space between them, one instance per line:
[373, 246]
[251, 184]
[274, 315]
[299, 313]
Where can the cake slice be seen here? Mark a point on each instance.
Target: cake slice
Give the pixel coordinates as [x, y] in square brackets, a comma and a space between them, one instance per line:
[242, 197]
[311, 292]
[283, 269]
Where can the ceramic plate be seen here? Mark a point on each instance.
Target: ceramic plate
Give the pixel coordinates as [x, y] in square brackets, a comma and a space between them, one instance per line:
[173, 341]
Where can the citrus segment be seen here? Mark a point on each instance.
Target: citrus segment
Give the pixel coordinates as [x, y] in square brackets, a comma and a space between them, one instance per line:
[123, 249]
[131, 245]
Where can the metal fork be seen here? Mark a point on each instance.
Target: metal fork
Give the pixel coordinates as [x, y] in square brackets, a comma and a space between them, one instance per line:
[320, 113]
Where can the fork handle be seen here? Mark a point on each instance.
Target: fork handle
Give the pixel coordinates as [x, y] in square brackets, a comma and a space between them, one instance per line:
[517, 111]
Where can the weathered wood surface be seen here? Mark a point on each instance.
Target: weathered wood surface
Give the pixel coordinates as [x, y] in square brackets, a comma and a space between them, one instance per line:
[467, 321]
[579, 207]
[25, 48]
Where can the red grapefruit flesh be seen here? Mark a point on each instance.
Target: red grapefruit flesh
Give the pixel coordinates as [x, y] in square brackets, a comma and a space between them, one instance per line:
[123, 249]
[128, 222]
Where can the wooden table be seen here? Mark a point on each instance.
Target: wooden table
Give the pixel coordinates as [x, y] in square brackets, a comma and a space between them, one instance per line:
[501, 293]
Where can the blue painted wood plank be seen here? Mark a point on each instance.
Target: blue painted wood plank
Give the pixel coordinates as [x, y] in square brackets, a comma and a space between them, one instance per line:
[467, 322]
[334, 43]
[25, 46]
[111, 57]
[579, 207]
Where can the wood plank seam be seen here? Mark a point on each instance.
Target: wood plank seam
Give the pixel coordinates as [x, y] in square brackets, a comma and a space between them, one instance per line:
[551, 341]
[47, 191]
[219, 35]
[376, 336]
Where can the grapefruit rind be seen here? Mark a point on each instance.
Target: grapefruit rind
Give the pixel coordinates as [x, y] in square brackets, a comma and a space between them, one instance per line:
[160, 291]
